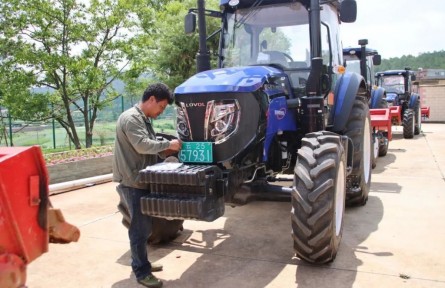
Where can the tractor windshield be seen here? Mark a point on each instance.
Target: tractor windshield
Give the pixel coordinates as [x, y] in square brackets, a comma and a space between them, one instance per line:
[393, 83]
[353, 65]
[273, 34]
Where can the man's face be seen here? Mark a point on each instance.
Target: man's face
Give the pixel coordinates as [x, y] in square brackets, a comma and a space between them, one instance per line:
[154, 109]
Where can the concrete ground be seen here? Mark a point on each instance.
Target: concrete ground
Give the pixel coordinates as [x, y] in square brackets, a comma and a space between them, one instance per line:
[396, 240]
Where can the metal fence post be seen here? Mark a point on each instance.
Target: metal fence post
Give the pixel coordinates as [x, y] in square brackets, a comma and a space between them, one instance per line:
[10, 128]
[54, 127]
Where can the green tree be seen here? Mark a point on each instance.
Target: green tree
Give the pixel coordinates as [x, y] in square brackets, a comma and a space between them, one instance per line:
[173, 60]
[74, 51]
[427, 60]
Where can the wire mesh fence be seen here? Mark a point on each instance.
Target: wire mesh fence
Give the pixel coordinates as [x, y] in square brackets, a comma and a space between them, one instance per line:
[52, 136]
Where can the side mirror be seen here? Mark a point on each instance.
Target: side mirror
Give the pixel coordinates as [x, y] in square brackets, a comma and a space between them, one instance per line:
[190, 23]
[348, 11]
[413, 78]
[263, 45]
[377, 59]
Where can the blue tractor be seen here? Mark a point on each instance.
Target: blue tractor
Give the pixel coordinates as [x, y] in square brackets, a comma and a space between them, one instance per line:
[265, 113]
[399, 92]
[363, 60]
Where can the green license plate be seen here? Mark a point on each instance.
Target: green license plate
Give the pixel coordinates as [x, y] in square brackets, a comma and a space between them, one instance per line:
[196, 152]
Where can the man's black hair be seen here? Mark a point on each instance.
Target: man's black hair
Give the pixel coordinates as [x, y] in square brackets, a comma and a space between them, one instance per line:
[160, 91]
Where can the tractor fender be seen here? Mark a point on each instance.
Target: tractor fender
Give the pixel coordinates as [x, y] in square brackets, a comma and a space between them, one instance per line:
[376, 97]
[345, 92]
[413, 100]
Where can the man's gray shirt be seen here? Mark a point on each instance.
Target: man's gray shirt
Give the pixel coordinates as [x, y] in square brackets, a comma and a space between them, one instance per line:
[135, 147]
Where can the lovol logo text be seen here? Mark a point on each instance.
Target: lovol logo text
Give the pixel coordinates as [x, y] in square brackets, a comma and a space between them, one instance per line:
[199, 104]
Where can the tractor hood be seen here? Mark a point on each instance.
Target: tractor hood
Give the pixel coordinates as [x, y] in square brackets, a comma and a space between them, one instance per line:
[235, 79]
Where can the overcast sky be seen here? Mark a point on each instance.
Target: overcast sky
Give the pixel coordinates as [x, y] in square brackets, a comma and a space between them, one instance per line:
[398, 27]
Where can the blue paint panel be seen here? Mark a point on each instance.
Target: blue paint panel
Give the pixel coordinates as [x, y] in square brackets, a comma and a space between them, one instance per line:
[341, 92]
[413, 100]
[345, 93]
[280, 118]
[236, 79]
[376, 96]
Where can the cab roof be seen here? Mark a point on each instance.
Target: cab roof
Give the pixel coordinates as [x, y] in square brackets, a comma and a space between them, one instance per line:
[250, 3]
[358, 51]
[394, 72]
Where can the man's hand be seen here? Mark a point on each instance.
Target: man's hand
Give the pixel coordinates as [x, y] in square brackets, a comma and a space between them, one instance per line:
[173, 148]
[175, 145]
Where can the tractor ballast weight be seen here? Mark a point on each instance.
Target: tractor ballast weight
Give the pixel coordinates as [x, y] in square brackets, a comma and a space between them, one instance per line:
[265, 112]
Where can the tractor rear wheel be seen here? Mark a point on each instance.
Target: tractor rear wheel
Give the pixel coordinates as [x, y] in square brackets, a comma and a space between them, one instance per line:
[318, 197]
[408, 124]
[358, 129]
[417, 117]
[162, 230]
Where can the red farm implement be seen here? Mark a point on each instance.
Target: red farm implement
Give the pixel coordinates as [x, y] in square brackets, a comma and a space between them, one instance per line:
[27, 220]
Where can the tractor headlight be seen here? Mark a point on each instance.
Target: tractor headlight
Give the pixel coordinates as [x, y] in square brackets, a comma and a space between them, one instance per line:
[182, 122]
[222, 119]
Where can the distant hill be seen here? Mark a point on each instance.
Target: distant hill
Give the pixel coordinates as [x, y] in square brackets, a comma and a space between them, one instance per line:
[428, 60]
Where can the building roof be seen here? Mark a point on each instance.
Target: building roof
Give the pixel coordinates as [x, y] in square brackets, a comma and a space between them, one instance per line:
[431, 74]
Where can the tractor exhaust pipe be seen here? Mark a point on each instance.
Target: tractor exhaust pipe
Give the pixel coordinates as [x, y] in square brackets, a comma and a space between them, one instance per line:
[203, 55]
[363, 70]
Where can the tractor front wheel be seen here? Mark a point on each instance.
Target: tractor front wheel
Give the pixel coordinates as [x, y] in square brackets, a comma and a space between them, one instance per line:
[318, 197]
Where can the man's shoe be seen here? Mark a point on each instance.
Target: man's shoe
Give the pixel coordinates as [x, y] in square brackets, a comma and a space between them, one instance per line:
[156, 267]
[150, 281]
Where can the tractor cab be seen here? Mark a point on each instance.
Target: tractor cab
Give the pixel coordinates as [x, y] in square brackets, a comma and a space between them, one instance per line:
[256, 36]
[398, 85]
[253, 35]
[353, 57]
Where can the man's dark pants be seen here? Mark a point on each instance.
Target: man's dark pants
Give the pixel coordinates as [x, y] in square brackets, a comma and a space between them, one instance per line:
[139, 230]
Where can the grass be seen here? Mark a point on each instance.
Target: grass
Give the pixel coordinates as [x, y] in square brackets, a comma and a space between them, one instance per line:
[76, 155]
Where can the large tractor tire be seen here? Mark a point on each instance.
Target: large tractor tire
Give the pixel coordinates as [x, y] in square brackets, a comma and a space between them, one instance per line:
[383, 143]
[318, 197]
[375, 149]
[358, 129]
[408, 124]
[163, 230]
[417, 117]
